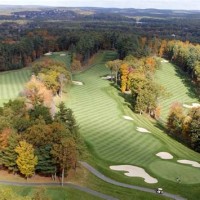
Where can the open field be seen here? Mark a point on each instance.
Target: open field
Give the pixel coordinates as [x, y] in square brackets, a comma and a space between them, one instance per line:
[112, 140]
[12, 83]
[177, 84]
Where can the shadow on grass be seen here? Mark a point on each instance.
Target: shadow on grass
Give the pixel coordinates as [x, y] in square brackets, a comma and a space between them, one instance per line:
[186, 80]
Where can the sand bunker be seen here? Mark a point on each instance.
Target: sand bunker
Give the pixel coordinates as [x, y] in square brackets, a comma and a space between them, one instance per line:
[164, 155]
[77, 83]
[48, 54]
[189, 162]
[62, 54]
[164, 61]
[107, 77]
[194, 105]
[133, 171]
[128, 92]
[128, 118]
[143, 130]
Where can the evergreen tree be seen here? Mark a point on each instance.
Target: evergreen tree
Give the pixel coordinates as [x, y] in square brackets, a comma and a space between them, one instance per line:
[8, 155]
[45, 164]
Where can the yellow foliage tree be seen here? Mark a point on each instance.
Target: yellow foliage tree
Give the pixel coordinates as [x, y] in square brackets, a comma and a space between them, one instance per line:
[124, 77]
[26, 160]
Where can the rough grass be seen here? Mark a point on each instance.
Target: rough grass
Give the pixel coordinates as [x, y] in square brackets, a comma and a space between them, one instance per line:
[12, 83]
[54, 193]
[177, 84]
[99, 110]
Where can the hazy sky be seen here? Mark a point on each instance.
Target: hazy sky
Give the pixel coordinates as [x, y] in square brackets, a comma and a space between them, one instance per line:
[164, 4]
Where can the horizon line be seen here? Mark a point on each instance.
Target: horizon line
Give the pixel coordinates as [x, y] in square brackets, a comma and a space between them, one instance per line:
[53, 6]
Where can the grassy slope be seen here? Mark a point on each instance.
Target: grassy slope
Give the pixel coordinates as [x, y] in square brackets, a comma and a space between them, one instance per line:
[112, 140]
[177, 84]
[12, 83]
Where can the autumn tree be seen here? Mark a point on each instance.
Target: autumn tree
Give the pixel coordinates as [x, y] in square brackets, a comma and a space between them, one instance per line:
[114, 66]
[175, 119]
[37, 94]
[124, 76]
[194, 128]
[26, 160]
[65, 155]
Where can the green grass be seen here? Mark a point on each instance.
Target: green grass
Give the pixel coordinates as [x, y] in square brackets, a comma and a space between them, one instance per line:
[177, 84]
[99, 110]
[170, 171]
[54, 193]
[12, 83]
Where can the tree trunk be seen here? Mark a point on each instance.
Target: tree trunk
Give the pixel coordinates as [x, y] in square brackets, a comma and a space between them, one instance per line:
[63, 174]
[116, 77]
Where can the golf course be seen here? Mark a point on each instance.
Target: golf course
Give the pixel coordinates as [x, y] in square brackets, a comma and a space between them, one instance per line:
[116, 136]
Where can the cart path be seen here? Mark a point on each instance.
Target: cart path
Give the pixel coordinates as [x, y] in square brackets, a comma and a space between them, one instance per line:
[93, 192]
[77, 187]
[109, 180]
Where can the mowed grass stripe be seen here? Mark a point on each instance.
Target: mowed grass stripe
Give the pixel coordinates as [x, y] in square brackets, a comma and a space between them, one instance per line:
[177, 85]
[12, 83]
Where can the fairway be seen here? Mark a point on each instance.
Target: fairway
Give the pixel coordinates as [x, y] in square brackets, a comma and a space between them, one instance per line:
[12, 83]
[99, 110]
[177, 84]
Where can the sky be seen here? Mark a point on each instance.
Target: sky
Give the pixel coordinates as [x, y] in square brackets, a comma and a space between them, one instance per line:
[161, 4]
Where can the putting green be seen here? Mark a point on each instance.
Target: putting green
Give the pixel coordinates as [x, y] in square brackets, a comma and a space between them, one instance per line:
[170, 171]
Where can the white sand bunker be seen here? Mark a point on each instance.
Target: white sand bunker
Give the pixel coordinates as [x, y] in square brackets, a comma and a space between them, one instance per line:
[164, 61]
[143, 130]
[128, 118]
[194, 105]
[62, 54]
[133, 171]
[77, 83]
[128, 92]
[107, 77]
[189, 162]
[164, 155]
[48, 54]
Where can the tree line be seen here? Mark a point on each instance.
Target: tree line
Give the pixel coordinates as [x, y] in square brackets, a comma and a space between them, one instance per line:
[185, 125]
